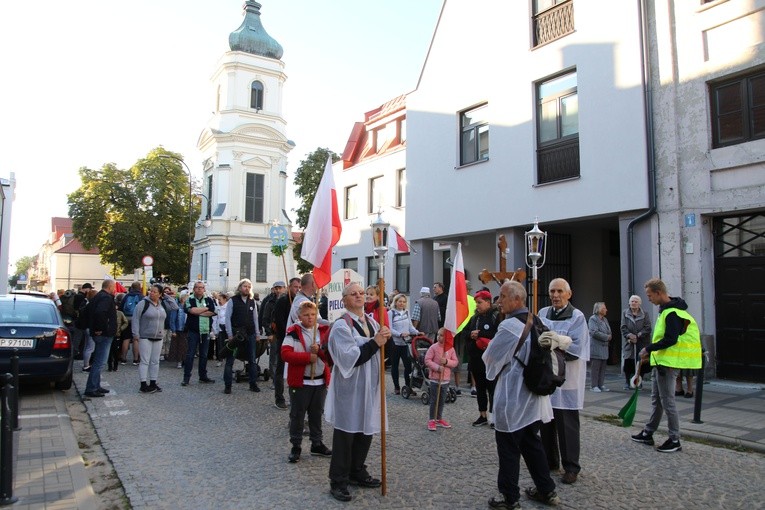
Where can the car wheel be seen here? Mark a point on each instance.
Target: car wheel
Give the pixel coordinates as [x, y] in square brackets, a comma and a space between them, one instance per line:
[65, 384]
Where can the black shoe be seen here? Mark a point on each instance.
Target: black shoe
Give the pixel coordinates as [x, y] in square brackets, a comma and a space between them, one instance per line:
[255, 388]
[320, 450]
[281, 405]
[185, 382]
[551, 498]
[340, 493]
[148, 389]
[102, 390]
[227, 391]
[501, 501]
[480, 421]
[367, 482]
[669, 446]
[156, 388]
[207, 380]
[93, 394]
[294, 455]
[644, 437]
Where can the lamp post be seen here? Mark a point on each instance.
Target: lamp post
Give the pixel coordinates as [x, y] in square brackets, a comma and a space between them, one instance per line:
[536, 251]
[191, 209]
[380, 240]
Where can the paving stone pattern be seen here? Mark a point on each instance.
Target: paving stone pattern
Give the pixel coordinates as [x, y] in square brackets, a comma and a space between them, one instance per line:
[194, 447]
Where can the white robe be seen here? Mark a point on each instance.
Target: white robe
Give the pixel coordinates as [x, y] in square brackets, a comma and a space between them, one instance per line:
[353, 395]
[571, 394]
[515, 406]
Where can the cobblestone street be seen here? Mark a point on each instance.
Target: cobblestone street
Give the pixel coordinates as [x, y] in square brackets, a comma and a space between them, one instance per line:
[195, 447]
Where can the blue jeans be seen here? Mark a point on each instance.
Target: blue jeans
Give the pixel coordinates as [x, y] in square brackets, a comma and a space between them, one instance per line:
[203, 341]
[97, 362]
[253, 370]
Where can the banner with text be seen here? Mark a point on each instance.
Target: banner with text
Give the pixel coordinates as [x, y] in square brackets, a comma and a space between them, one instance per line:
[340, 279]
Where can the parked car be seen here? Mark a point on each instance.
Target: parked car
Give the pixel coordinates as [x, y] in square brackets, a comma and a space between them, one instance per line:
[33, 328]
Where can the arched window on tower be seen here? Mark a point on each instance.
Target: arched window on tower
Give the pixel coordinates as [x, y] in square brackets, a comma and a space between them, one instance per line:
[256, 95]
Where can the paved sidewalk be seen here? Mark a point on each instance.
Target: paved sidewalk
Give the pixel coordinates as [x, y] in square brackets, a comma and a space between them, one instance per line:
[49, 471]
[731, 412]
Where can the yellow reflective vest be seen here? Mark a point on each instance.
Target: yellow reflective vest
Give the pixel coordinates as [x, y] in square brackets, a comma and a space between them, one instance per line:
[686, 353]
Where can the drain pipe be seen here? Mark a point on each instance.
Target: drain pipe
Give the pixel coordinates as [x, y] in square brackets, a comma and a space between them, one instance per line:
[645, 62]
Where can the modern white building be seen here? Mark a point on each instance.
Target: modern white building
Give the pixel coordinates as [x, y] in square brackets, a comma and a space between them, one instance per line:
[371, 178]
[636, 139]
[244, 148]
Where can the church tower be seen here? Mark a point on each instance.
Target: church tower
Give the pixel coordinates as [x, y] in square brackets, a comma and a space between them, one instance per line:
[244, 148]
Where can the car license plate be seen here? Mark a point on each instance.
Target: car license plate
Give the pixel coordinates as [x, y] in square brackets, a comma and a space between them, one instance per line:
[17, 343]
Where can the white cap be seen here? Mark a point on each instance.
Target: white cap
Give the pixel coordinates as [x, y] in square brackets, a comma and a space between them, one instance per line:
[425, 290]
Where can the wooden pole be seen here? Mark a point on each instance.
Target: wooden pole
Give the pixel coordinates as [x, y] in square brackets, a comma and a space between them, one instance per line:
[438, 392]
[381, 316]
[315, 327]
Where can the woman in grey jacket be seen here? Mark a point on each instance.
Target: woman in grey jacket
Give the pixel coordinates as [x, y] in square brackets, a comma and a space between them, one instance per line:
[148, 326]
[600, 336]
[636, 334]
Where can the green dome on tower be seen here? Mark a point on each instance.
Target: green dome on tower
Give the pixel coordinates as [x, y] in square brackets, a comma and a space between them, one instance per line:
[251, 37]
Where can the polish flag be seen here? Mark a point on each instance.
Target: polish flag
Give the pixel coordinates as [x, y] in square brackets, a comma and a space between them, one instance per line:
[397, 241]
[323, 229]
[457, 302]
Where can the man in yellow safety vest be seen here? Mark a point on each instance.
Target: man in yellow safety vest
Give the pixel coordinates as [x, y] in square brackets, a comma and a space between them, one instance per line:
[675, 345]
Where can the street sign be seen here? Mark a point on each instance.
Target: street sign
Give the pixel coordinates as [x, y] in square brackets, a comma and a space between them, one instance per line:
[278, 235]
[147, 260]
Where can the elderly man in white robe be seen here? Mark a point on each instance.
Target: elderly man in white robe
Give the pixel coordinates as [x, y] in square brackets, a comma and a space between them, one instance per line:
[518, 413]
[353, 397]
[561, 438]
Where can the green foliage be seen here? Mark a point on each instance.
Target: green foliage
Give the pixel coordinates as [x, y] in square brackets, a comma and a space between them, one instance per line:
[144, 210]
[307, 179]
[22, 266]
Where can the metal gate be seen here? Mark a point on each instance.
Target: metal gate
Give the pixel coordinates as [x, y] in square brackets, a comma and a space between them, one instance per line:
[740, 296]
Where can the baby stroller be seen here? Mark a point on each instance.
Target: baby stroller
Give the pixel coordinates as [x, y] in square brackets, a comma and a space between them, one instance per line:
[417, 349]
[238, 344]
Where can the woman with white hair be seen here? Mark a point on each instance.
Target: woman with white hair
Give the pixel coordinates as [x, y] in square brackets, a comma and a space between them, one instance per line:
[600, 336]
[636, 334]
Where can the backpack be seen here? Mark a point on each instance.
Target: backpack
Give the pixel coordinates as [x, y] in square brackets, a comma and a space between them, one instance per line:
[83, 319]
[67, 305]
[545, 370]
[128, 304]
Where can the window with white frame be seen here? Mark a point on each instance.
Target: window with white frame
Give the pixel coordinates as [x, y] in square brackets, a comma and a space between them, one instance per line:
[261, 265]
[256, 95]
[375, 194]
[474, 135]
[351, 202]
[401, 187]
[245, 265]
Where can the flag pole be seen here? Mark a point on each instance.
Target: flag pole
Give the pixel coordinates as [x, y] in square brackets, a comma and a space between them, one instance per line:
[381, 316]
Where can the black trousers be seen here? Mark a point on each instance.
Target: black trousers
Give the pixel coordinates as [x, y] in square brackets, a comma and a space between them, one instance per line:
[483, 387]
[306, 399]
[349, 453]
[560, 438]
[510, 447]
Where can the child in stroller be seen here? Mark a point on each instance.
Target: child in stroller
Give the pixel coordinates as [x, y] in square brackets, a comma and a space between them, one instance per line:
[417, 350]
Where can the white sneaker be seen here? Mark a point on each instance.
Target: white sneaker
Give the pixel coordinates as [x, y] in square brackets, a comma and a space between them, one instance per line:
[161, 357]
[219, 363]
[595, 390]
[604, 389]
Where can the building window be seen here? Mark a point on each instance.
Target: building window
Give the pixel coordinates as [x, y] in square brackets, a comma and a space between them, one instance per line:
[557, 129]
[351, 201]
[552, 20]
[372, 273]
[402, 272]
[245, 265]
[351, 264]
[203, 258]
[402, 131]
[375, 194]
[738, 109]
[401, 187]
[253, 198]
[474, 141]
[261, 264]
[256, 95]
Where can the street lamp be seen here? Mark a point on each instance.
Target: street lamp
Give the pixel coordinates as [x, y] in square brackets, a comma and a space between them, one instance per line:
[380, 240]
[536, 251]
[191, 209]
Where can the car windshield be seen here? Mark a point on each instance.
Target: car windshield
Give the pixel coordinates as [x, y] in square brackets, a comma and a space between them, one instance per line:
[26, 312]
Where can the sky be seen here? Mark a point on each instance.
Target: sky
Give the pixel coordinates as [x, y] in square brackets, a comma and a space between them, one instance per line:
[90, 82]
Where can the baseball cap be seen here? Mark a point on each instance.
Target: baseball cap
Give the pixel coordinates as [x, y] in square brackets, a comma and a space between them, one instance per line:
[278, 284]
[86, 286]
[425, 290]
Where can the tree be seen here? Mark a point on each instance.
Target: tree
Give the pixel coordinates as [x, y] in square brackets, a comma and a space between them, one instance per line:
[22, 267]
[145, 210]
[307, 179]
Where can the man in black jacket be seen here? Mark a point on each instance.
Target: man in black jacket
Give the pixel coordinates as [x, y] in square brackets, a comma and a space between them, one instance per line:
[281, 317]
[102, 322]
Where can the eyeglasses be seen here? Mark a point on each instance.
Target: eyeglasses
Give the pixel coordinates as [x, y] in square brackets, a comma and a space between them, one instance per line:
[355, 294]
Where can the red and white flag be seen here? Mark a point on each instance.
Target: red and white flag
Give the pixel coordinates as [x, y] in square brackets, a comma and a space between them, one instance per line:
[323, 229]
[397, 241]
[457, 302]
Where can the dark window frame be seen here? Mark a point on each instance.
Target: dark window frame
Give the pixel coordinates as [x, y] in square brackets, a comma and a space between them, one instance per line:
[257, 93]
[261, 267]
[476, 129]
[254, 198]
[245, 265]
[351, 263]
[557, 158]
[373, 273]
[747, 113]
[403, 265]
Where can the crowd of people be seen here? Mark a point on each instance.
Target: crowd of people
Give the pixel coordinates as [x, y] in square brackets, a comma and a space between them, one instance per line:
[333, 369]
